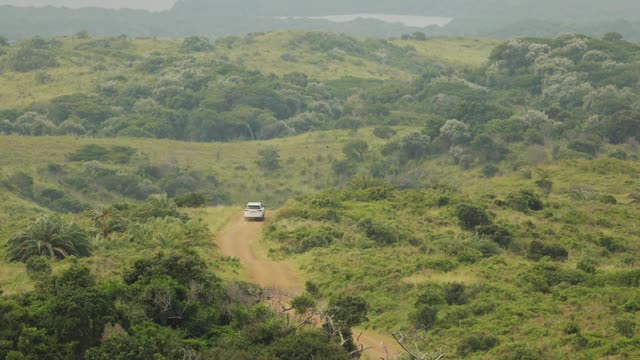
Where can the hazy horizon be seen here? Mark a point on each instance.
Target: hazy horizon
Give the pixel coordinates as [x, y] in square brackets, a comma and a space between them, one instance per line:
[151, 5]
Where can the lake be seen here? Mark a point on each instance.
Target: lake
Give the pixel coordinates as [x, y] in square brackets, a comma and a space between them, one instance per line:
[407, 20]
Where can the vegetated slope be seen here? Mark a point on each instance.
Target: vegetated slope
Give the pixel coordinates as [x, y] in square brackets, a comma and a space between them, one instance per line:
[535, 263]
[84, 65]
[146, 283]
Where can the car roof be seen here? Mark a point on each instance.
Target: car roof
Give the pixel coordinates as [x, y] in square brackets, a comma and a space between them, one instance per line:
[254, 204]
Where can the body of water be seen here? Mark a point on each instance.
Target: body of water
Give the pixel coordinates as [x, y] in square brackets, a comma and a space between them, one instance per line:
[407, 20]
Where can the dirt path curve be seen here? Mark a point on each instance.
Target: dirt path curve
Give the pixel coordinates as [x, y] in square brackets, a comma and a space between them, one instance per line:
[240, 239]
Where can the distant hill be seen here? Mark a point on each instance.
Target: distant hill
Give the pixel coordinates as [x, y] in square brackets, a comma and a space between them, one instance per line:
[215, 18]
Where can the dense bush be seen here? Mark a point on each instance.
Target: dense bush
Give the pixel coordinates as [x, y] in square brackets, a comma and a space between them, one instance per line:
[524, 201]
[193, 200]
[477, 342]
[38, 267]
[424, 317]
[195, 44]
[378, 231]
[454, 293]
[538, 250]
[29, 58]
[472, 216]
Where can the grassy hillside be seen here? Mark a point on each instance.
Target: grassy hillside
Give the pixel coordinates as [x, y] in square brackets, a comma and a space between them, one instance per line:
[83, 66]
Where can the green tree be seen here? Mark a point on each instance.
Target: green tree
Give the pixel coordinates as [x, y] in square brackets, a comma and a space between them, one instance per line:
[384, 132]
[195, 44]
[38, 267]
[612, 36]
[83, 34]
[424, 317]
[49, 236]
[355, 149]
[269, 159]
[306, 345]
[145, 341]
[472, 216]
[347, 310]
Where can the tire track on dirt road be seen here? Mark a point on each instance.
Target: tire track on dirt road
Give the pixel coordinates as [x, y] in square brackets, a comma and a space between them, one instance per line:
[240, 239]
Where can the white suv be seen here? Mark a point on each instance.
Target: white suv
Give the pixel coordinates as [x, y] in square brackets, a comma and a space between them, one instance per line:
[254, 211]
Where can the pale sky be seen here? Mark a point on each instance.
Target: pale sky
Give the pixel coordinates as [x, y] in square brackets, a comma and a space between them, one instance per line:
[154, 5]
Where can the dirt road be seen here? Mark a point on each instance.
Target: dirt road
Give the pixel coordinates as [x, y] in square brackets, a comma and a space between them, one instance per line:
[240, 239]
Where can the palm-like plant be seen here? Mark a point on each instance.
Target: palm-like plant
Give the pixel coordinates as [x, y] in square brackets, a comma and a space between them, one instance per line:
[49, 236]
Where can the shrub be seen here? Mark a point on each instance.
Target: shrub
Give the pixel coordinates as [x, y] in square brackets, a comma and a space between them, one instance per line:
[520, 351]
[585, 146]
[424, 317]
[545, 185]
[22, 183]
[195, 44]
[618, 154]
[303, 303]
[384, 132]
[93, 152]
[626, 327]
[439, 264]
[608, 199]
[477, 342]
[355, 149]
[38, 267]
[68, 205]
[28, 58]
[348, 310]
[499, 234]
[192, 200]
[380, 232]
[432, 296]
[472, 216]
[490, 170]
[583, 193]
[454, 293]
[268, 159]
[524, 201]
[144, 341]
[487, 248]
[538, 249]
[586, 265]
[613, 245]
[312, 288]
[305, 345]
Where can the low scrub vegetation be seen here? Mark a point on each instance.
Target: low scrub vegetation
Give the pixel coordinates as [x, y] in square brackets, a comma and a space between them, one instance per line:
[464, 268]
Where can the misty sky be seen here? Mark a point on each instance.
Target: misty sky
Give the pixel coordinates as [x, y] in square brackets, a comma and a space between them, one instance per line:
[131, 4]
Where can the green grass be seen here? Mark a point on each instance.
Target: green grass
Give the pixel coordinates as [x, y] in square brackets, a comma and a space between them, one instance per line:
[304, 159]
[459, 52]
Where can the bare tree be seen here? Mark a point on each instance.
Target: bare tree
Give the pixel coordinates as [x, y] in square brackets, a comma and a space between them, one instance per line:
[410, 345]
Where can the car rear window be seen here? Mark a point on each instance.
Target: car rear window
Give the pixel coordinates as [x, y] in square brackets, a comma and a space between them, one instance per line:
[253, 207]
